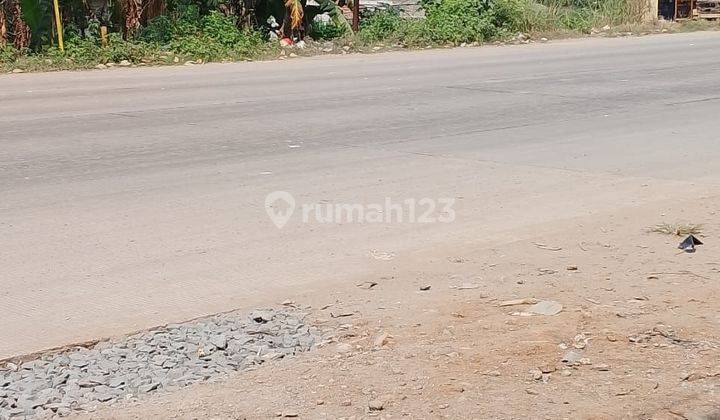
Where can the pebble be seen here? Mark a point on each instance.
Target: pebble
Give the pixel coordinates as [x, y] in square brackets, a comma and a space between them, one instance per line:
[344, 348]
[376, 405]
[175, 356]
[571, 357]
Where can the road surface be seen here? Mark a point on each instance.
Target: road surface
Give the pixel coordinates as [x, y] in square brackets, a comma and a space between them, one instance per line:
[135, 197]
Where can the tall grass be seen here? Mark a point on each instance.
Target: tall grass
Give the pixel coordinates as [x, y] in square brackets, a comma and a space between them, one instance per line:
[464, 21]
[581, 16]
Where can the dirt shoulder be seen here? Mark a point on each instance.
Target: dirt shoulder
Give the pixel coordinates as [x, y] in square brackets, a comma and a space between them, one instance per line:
[639, 315]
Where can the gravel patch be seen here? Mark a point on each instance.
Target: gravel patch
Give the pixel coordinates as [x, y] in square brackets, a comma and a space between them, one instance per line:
[167, 358]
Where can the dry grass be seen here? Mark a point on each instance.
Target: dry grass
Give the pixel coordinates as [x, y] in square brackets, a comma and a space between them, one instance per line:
[678, 229]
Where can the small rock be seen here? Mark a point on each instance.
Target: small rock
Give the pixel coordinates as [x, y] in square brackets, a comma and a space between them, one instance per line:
[18, 71]
[219, 341]
[290, 414]
[261, 317]
[425, 288]
[148, 387]
[344, 348]
[380, 340]
[376, 405]
[292, 55]
[124, 63]
[367, 285]
[547, 368]
[101, 66]
[546, 307]
[531, 391]
[571, 268]
[571, 357]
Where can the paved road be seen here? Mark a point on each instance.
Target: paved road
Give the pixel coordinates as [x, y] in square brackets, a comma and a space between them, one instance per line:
[135, 197]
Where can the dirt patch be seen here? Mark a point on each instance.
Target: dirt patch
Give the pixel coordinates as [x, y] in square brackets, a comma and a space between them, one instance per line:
[637, 336]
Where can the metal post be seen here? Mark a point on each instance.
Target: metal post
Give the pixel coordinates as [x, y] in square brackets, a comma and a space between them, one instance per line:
[356, 15]
[58, 24]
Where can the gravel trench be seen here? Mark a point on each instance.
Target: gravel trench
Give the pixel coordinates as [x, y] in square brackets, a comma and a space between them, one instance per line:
[167, 358]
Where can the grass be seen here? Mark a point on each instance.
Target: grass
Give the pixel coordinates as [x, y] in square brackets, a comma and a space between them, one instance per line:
[678, 229]
[186, 36]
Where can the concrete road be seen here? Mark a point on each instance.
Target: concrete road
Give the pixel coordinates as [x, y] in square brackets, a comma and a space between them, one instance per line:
[135, 197]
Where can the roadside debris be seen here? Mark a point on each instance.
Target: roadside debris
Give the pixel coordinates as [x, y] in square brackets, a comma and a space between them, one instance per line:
[465, 286]
[341, 314]
[546, 307]
[688, 245]
[547, 247]
[523, 301]
[382, 255]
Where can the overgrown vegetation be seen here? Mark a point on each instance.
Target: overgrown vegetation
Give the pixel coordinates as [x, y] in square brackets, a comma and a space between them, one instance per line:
[468, 21]
[188, 30]
[189, 37]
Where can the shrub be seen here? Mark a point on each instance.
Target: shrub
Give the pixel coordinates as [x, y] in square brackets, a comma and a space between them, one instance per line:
[380, 25]
[457, 21]
[8, 54]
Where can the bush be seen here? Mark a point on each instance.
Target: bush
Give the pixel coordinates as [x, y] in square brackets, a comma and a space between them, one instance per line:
[8, 54]
[212, 37]
[457, 21]
[380, 25]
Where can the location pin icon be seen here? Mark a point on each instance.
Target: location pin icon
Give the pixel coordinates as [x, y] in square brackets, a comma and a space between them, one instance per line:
[280, 206]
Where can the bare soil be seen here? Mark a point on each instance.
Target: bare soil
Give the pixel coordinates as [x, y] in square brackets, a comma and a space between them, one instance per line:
[642, 315]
